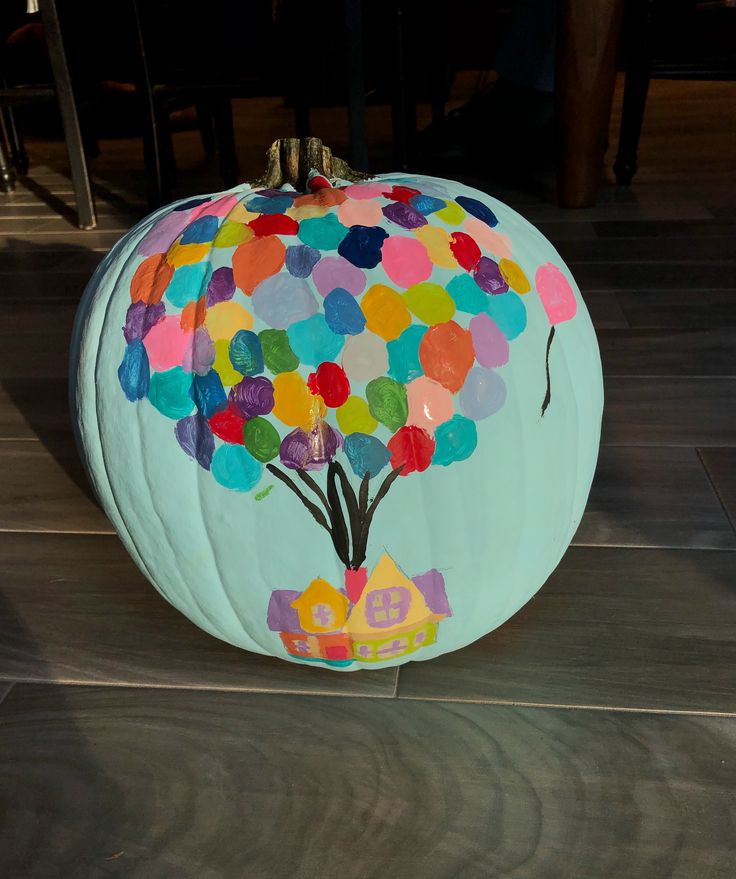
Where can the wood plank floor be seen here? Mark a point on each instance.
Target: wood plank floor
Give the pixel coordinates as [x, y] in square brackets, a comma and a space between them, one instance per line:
[591, 736]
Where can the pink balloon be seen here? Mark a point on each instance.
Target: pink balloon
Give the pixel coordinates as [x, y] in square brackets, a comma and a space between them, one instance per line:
[168, 345]
[366, 190]
[217, 208]
[556, 293]
[429, 404]
[405, 260]
[491, 345]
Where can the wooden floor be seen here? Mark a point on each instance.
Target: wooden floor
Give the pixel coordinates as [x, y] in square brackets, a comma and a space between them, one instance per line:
[592, 736]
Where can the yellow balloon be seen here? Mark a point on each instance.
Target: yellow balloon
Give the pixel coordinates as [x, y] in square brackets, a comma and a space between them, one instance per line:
[385, 312]
[223, 366]
[514, 276]
[354, 416]
[431, 303]
[294, 404]
[224, 319]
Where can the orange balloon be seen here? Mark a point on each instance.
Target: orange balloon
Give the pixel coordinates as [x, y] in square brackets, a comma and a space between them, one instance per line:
[446, 353]
[151, 279]
[326, 198]
[193, 314]
[257, 260]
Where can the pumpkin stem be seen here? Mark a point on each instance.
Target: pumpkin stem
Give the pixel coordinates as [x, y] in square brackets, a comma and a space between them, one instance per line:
[289, 160]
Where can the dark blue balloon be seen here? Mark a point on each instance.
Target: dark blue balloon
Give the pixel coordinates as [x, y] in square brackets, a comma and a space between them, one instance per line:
[134, 373]
[343, 314]
[362, 246]
[192, 203]
[477, 209]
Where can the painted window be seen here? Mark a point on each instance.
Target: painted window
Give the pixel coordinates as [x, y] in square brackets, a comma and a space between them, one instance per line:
[363, 651]
[387, 607]
[323, 616]
[389, 649]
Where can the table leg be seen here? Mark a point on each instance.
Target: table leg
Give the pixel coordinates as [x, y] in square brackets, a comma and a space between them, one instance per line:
[587, 46]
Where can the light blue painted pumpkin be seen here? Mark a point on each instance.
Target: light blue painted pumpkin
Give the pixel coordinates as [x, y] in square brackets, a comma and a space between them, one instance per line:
[350, 427]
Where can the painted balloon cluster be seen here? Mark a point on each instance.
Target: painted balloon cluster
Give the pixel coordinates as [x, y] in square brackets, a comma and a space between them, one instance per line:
[283, 327]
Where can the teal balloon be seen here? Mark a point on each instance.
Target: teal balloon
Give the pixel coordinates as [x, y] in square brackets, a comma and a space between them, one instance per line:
[188, 283]
[235, 468]
[171, 392]
[403, 354]
[455, 440]
[313, 341]
[246, 354]
[367, 454]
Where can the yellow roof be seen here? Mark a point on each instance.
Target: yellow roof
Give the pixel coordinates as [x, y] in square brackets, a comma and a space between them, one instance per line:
[385, 576]
[320, 592]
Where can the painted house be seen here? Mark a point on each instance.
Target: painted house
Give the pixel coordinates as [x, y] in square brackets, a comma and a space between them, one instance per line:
[378, 618]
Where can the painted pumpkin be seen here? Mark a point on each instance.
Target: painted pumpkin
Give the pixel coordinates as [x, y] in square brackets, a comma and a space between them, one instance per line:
[350, 423]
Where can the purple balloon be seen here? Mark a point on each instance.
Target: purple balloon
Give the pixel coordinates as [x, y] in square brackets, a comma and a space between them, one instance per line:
[488, 276]
[221, 286]
[404, 215]
[310, 451]
[203, 352]
[252, 396]
[140, 318]
[195, 437]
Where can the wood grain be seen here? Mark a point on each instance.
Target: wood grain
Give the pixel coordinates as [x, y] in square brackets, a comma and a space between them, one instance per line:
[45, 491]
[653, 497]
[680, 309]
[664, 229]
[668, 352]
[721, 467]
[639, 276]
[32, 408]
[76, 609]
[99, 782]
[670, 411]
[672, 250]
[632, 628]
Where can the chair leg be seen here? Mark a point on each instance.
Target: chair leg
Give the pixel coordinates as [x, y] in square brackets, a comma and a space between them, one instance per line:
[205, 121]
[72, 135]
[638, 73]
[18, 154]
[7, 172]
[223, 113]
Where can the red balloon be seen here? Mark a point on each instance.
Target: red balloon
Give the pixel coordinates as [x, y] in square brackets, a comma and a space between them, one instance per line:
[411, 449]
[228, 425]
[331, 383]
[465, 250]
[401, 193]
[274, 224]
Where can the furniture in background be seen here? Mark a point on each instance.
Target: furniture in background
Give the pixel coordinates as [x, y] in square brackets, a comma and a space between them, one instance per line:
[12, 155]
[689, 39]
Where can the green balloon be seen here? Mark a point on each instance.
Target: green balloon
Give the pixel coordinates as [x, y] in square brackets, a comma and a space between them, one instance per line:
[277, 353]
[387, 402]
[261, 439]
